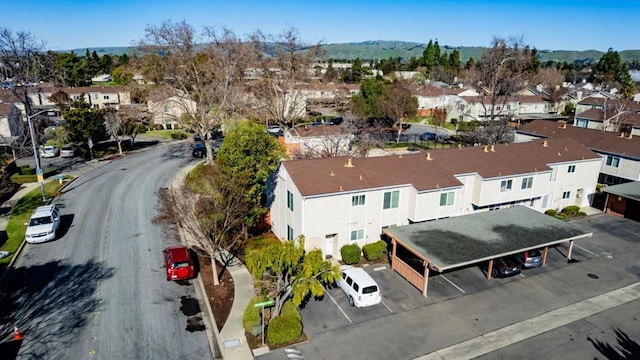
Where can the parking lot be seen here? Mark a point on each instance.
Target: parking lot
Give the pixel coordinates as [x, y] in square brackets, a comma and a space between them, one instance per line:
[462, 304]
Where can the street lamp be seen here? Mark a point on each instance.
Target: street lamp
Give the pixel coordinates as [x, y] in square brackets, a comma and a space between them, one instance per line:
[39, 174]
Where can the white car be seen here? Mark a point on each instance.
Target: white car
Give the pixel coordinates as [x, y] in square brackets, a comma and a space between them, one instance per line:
[43, 224]
[68, 150]
[49, 151]
[360, 288]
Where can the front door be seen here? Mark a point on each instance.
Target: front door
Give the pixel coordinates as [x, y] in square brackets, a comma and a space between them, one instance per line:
[328, 245]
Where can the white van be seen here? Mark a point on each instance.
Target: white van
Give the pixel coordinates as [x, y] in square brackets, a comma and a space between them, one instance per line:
[43, 224]
[359, 287]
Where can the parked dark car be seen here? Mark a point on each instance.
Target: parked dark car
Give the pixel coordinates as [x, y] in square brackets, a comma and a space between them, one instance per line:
[505, 267]
[428, 136]
[530, 259]
[336, 121]
[406, 126]
[199, 150]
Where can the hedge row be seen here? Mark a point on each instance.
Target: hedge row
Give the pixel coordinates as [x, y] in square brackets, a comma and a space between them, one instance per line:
[22, 179]
[283, 329]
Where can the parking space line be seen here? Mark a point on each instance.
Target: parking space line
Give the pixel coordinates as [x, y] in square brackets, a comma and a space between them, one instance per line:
[583, 249]
[334, 301]
[454, 285]
[387, 306]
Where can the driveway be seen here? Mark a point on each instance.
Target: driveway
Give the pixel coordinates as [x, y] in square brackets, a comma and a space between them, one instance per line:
[462, 304]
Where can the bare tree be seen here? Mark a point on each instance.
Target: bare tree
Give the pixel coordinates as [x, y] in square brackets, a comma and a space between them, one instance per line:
[280, 63]
[213, 218]
[500, 73]
[113, 122]
[397, 103]
[198, 73]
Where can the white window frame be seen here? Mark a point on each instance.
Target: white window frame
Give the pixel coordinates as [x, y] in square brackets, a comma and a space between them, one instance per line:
[448, 197]
[566, 195]
[357, 235]
[394, 199]
[506, 185]
[613, 161]
[571, 169]
[289, 200]
[527, 183]
[358, 200]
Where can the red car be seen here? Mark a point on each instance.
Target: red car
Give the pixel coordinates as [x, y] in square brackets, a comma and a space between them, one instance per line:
[178, 263]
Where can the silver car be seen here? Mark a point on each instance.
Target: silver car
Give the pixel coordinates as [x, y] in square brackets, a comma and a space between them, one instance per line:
[530, 259]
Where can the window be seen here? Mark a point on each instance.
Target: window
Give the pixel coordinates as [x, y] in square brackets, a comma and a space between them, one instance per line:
[571, 169]
[357, 200]
[391, 199]
[527, 182]
[446, 199]
[106, 97]
[357, 235]
[95, 96]
[505, 185]
[289, 233]
[290, 200]
[566, 194]
[613, 161]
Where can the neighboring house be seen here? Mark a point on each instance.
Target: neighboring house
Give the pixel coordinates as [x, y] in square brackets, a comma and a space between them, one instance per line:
[317, 141]
[431, 98]
[324, 95]
[168, 112]
[602, 113]
[11, 123]
[98, 97]
[339, 201]
[101, 78]
[621, 154]
[468, 108]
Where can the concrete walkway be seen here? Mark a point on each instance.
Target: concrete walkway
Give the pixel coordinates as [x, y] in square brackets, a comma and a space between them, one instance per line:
[509, 335]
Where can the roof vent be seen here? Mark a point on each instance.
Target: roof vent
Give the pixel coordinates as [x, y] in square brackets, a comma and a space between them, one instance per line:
[559, 154]
[486, 148]
[429, 156]
[400, 156]
[545, 143]
[341, 189]
[622, 134]
[630, 135]
[565, 149]
[459, 146]
[332, 173]
[564, 126]
[493, 148]
[349, 163]
[360, 177]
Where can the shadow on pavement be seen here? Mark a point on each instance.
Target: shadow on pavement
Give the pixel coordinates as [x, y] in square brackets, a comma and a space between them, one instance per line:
[51, 304]
[627, 348]
[9, 350]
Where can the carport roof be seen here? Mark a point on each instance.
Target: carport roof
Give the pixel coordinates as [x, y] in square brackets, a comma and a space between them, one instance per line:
[465, 240]
[630, 190]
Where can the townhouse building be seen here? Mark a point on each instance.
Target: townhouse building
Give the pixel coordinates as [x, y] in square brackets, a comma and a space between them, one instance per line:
[98, 97]
[339, 201]
[608, 114]
[620, 152]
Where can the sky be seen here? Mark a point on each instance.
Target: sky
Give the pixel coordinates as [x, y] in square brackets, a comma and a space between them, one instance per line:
[543, 24]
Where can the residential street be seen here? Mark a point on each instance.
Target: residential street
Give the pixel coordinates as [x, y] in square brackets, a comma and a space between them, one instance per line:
[99, 291]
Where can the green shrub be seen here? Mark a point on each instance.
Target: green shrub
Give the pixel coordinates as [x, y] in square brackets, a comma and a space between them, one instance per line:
[283, 329]
[22, 179]
[251, 317]
[178, 135]
[571, 210]
[26, 170]
[551, 212]
[373, 251]
[158, 127]
[350, 254]
[290, 309]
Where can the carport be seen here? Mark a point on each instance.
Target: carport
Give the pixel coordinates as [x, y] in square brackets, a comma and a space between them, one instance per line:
[471, 239]
[623, 200]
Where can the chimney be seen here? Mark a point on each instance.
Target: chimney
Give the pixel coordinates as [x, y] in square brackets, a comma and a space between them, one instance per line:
[459, 146]
[630, 135]
[545, 143]
[429, 156]
[341, 189]
[622, 134]
[486, 148]
[493, 148]
[349, 163]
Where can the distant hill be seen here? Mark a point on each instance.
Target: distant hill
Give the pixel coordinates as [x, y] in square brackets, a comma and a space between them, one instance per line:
[380, 49]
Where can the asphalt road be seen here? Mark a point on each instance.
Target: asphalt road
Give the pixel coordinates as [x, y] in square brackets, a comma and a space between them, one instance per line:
[99, 290]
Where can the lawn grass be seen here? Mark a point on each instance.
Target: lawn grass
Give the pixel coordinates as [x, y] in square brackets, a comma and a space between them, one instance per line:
[166, 134]
[21, 213]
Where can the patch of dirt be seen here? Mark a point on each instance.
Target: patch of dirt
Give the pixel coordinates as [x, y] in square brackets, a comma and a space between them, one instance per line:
[220, 296]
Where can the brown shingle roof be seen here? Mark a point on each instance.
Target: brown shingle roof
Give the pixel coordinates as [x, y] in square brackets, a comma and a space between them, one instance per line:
[321, 130]
[598, 101]
[5, 109]
[7, 96]
[330, 175]
[593, 139]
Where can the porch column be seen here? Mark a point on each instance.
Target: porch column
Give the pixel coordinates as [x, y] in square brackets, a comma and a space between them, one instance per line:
[394, 244]
[544, 255]
[426, 279]
[489, 269]
[569, 250]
